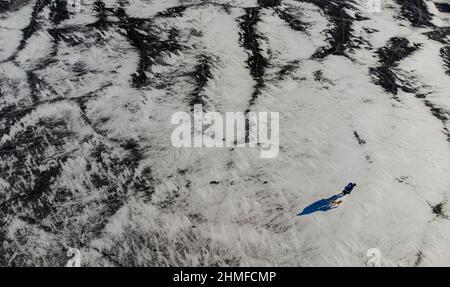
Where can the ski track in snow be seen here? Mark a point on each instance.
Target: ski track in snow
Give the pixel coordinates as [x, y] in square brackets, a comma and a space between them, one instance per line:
[86, 160]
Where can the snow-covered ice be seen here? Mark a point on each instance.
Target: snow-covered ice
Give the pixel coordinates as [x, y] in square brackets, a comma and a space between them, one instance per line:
[87, 166]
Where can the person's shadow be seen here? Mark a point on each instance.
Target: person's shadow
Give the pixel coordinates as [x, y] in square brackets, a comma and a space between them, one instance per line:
[321, 205]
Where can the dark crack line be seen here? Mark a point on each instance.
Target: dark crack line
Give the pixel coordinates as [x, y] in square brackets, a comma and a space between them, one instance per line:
[256, 61]
[340, 35]
[396, 50]
[416, 12]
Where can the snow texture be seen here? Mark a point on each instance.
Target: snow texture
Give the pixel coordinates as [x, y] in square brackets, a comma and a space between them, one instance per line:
[86, 162]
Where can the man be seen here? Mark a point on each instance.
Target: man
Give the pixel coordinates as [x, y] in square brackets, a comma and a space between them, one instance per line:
[348, 189]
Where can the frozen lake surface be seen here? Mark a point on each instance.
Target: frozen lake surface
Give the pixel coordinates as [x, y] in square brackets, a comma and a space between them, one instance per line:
[86, 97]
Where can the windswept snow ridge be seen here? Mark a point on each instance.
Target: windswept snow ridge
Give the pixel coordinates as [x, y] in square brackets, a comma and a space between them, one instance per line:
[86, 162]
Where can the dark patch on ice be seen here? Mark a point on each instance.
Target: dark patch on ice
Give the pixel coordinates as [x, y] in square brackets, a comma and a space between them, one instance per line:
[4, 5]
[26, 151]
[197, 218]
[35, 84]
[173, 12]
[441, 114]
[420, 96]
[293, 21]
[182, 171]
[439, 34]
[402, 179]
[12, 5]
[250, 41]
[150, 45]
[231, 164]
[445, 54]
[416, 12]
[438, 112]
[276, 224]
[386, 78]
[319, 77]
[9, 115]
[438, 210]
[144, 185]
[102, 15]
[340, 36]
[358, 138]
[58, 11]
[134, 154]
[370, 30]
[269, 3]
[288, 69]
[117, 185]
[442, 7]
[170, 200]
[202, 74]
[41, 197]
[447, 133]
[360, 17]
[65, 34]
[396, 50]
[419, 258]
